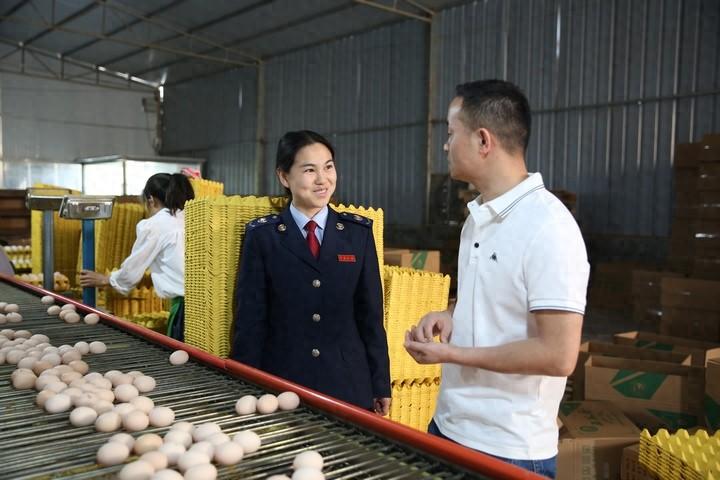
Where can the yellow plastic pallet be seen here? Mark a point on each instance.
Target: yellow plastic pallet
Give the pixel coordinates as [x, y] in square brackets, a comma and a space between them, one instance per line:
[681, 456]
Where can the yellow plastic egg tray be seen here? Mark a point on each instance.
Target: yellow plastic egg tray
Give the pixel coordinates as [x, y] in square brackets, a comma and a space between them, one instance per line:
[413, 402]
[115, 236]
[410, 294]
[206, 188]
[153, 320]
[681, 456]
[140, 300]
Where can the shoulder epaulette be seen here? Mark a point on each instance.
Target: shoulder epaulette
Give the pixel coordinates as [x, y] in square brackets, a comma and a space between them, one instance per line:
[355, 218]
[266, 220]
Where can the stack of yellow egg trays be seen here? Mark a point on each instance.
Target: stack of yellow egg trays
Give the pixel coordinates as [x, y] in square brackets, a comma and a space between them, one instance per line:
[214, 232]
[681, 456]
[66, 239]
[206, 188]
[410, 294]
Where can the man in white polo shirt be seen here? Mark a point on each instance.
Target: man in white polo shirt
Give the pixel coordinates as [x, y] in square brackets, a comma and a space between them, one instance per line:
[509, 343]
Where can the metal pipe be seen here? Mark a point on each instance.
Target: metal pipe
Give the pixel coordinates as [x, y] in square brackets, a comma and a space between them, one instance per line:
[88, 251]
[48, 254]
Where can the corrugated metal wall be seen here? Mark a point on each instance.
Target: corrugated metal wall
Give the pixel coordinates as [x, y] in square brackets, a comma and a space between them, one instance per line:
[215, 118]
[45, 122]
[615, 85]
[368, 94]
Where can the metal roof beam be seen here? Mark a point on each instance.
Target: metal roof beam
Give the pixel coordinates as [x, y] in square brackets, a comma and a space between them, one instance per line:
[169, 26]
[197, 28]
[53, 25]
[124, 27]
[153, 46]
[394, 9]
[280, 28]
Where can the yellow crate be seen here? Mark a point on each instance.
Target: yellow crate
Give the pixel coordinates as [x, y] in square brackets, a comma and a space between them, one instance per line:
[410, 294]
[413, 401]
[681, 456]
[206, 188]
[141, 300]
[154, 320]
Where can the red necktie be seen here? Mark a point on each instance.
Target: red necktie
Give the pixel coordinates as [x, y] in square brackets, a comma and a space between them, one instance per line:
[312, 240]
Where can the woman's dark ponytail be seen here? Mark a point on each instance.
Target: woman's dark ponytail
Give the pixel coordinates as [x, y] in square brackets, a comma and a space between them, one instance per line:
[173, 190]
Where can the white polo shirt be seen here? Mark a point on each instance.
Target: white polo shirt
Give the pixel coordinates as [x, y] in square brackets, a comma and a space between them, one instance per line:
[520, 252]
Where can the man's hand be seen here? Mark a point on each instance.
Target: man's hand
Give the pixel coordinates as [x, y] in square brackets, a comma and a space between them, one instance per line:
[428, 352]
[431, 325]
[93, 279]
[382, 406]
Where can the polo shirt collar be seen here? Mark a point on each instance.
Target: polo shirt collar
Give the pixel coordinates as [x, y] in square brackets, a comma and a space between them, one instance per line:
[504, 204]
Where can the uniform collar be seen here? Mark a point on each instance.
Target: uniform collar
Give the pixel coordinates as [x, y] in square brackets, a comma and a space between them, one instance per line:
[504, 204]
[301, 219]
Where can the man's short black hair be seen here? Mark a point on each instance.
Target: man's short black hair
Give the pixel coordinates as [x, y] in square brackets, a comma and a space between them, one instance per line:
[499, 106]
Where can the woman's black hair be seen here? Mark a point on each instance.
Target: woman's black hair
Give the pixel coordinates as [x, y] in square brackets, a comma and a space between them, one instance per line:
[171, 189]
[291, 143]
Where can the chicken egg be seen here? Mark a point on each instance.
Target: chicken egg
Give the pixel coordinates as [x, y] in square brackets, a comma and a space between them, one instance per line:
[190, 459]
[178, 436]
[184, 426]
[144, 383]
[58, 403]
[97, 347]
[218, 439]
[157, 459]
[205, 471]
[137, 470]
[69, 306]
[228, 453]
[288, 401]
[42, 397]
[148, 443]
[246, 405]
[144, 404]
[167, 474]
[268, 403]
[83, 416]
[121, 379]
[13, 317]
[107, 422]
[79, 366]
[125, 392]
[124, 438]
[205, 430]
[54, 310]
[12, 307]
[113, 453]
[47, 300]
[91, 318]
[161, 416]
[278, 477]
[24, 381]
[205, 447]
[124, 408]
[179, 357]
[248, 440]
[172, 451]
[308, 459]
[102, 406]
[135, 421]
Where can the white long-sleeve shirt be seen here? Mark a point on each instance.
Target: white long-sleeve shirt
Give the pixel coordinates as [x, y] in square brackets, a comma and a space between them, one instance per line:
[160, 246]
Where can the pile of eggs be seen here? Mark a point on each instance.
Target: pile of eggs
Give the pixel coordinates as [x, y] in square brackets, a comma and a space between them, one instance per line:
[185, 449]
[267, 403]
[9, 313]
[68, 312]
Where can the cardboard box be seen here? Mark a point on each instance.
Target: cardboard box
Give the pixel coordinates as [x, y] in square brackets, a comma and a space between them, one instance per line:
[710, 148]
[652, 394]
[592, 439]
[686, 155]
[690, 323]
[588, 349]
[699, 351]
[646, 283]
[631, 469]
[712, 395]
[690, 293]
[428, 260]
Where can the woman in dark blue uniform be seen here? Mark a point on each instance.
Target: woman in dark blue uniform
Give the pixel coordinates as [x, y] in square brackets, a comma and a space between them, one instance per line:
[309, 298]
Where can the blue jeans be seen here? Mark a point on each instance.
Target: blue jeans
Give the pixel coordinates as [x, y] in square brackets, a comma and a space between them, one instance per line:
[545, 467]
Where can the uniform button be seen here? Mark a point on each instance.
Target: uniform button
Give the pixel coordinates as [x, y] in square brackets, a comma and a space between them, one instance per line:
[315, 352]
[316, 317]
[316, 283]
[477, 244]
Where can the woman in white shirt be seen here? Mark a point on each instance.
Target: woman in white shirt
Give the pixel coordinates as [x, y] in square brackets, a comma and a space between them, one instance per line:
[160, 247]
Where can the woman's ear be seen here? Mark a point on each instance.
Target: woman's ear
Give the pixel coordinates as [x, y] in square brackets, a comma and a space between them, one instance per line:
[282, 176]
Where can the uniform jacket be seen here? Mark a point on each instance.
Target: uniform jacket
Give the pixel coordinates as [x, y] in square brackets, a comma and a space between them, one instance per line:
[319, 322]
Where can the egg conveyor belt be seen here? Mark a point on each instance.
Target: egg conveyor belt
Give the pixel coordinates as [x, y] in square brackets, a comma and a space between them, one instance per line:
[36, 444]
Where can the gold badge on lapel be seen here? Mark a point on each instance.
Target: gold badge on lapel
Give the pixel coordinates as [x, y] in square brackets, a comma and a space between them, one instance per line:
[340, 226]
[282, 227]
